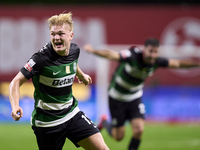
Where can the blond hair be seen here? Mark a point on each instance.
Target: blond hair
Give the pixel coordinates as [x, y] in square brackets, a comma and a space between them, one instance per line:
[61, 19]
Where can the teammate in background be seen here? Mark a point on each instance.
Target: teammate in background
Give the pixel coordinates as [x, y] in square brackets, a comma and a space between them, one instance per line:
[56, 115]
[126, 87]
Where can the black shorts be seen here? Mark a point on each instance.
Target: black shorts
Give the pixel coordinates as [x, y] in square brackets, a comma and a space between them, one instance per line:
[122, 111]
[76, 129]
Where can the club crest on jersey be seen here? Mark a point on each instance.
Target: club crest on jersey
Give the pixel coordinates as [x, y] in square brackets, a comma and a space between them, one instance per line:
[29, 65]
[125, 53]
[67, 69]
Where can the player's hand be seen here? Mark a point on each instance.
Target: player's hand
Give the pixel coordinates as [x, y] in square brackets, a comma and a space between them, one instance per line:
[88, 48]
[17, 113]
[85, 79]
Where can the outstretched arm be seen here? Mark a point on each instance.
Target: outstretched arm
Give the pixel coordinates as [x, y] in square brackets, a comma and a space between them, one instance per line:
[173, 63]
[14, 94]
[82, 77]
[109, 54]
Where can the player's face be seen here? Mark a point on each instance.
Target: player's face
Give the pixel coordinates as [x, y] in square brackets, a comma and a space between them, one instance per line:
[150, 54]
[61, 38]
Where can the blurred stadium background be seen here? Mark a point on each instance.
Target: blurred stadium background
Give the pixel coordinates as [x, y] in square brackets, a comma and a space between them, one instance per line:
[170, 96]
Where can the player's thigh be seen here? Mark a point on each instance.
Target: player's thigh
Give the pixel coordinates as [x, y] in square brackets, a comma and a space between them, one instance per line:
[137, 125]
[118, 133]
[94, 142]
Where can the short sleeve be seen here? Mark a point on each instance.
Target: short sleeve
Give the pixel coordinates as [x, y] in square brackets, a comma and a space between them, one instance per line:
[162, 62]
[34, 66]
[129, 54]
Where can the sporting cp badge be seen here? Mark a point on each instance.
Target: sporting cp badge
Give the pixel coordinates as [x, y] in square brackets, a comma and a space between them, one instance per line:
[67, 69]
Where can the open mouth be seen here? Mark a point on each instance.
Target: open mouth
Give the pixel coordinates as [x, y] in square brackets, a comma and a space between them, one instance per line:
[58, 44]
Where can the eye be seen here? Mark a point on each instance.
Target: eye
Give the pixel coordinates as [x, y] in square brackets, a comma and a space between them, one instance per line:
[52, 34]
[61, 34]
[151, 51]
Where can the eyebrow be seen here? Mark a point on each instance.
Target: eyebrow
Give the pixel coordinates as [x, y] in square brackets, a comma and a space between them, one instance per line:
[57, 32]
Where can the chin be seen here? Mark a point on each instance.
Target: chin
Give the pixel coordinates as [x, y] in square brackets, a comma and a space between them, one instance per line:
[60, 49]
[152, 62]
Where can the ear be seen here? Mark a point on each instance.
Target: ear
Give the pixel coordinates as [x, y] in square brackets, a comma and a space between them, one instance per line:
[71, 35]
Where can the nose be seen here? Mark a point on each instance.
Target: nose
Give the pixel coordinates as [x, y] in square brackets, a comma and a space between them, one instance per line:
[56, 36]
[153, 55]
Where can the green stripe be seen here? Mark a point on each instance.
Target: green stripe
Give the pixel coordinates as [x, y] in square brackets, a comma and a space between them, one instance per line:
[119, 69]
[45, 118]
[55, 99]
[123, 90]
[48, 70]
[119, 72]
[37, 91]
[33, 117]
[135, 63]
[134, 82]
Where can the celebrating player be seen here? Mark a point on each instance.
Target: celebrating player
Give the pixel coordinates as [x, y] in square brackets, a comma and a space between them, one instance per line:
[126, 87]
[56, 115]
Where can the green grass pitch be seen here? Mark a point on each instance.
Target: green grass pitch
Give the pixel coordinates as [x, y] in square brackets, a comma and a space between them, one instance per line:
[156, 137]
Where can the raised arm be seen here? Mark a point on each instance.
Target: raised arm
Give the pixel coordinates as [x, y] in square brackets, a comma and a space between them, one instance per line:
[173, 63]
[82, 77]
[14, 95]
[109, 54]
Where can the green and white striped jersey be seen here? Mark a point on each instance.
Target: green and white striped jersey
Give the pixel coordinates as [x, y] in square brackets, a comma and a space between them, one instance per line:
[128, 79]
[52, 77]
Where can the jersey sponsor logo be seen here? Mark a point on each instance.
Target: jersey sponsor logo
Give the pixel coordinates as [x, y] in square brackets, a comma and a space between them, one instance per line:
[57, 82]
[55, 73]
[65, 81]
[29, 65]
[125, 53]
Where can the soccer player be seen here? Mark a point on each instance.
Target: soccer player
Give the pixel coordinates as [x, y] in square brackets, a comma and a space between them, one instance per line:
[126, 87]
[56, 115]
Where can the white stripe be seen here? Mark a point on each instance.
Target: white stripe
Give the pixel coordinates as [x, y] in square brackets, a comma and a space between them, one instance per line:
[31, 120]
[129, 69]
[124, 97]
[54, 106]
[128, 86]
[57, 122]
[57, 82]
